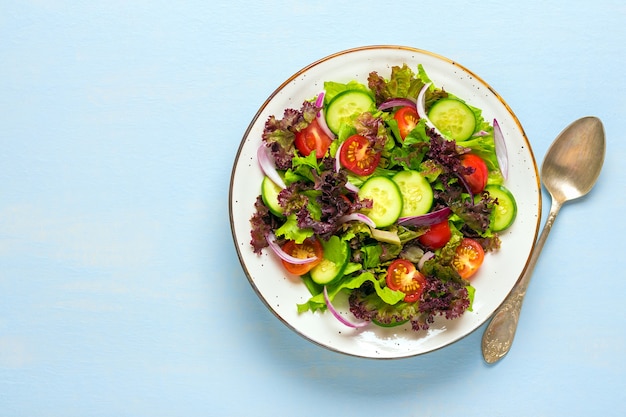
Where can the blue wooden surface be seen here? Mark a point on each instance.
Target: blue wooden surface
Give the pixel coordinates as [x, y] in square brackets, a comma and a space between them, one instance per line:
[120, 290]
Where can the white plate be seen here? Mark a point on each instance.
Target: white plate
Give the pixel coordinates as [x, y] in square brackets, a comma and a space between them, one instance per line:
[281, 292]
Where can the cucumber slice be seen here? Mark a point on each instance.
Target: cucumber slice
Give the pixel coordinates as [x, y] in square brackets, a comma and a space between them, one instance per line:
[269, 194]
[336, 255]
[505, 211]
[417, 194]
[386, 197]
[453, 118]
[345, 106]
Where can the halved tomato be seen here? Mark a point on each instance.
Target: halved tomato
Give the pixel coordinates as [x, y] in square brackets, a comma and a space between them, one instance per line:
[477, 180]
[309, 248]
[468, 258]
[312, 138]
[358, 156]
[407, 119]
[437, 235]
[403, 276]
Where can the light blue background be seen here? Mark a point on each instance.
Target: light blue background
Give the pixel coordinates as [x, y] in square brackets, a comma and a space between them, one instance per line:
[120, 290]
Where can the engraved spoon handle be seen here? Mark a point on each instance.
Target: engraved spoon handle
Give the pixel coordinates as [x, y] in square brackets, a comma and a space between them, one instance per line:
[498, 336]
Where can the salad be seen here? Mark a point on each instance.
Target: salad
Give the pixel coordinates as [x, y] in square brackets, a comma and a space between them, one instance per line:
[392, 192]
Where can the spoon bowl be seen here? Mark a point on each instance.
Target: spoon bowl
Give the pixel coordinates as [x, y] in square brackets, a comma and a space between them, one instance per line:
[570, 168]
[573, 162]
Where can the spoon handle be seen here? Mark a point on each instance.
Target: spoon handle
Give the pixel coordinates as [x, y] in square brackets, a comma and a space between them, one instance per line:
[498, 336]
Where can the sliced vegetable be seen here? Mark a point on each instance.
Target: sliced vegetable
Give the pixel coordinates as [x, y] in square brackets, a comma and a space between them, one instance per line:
[338, 316]
[358, 217]
[417, 194]
[477, 179]
[420, 106]
[403, 276]
[337, 153]
[505, 211]
[349, 186]
[320, 117]
[437, 235]
[453, 118]
[295, 259]
[426, 219]
[407, 119]
[420, 103]
[319, 100]
[269, 194]
[396, 102]
[501, 152]
[345, 106]
[310, 250]
[468, 258]
[426, 256]
[332, 265]
[358, 155]
[268, 166]
[312, 138]
[386, 199]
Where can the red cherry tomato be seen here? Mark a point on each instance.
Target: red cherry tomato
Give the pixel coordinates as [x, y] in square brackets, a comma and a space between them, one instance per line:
[468, 258]
[358, 156]
[437, 236]
[407, 119]
[477, 180]
[307, 249]
[312, 138]
[403, 276]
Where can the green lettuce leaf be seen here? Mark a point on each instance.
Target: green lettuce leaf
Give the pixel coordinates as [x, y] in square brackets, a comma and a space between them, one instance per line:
[333, 88]
[317, 302]
[291, 231]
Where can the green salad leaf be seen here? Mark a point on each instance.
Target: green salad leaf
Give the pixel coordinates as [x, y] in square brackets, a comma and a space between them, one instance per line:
[317, 302]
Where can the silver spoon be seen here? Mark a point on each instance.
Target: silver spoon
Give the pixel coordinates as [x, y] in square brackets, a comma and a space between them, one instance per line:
[569, 170]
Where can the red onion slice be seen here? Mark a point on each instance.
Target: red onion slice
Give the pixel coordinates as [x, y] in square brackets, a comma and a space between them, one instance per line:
[349, 185]
[338, 316]
[426, 256]
[268, 165]
[271, 241]
[396, 102]
[501, 152]
[352, 187]
[421, 108]
[421, 102]
[319, 101]
[321, 119]
[426, 219]
[359, 217]
[337, 162]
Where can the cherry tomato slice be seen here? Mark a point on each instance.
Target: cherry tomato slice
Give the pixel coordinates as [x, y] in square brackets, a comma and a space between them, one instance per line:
[312, 138]
[403, 276]
[437, 236]
[477, 180]
[407, 119]
[307, 249]
[468, 258]
[358, 156]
